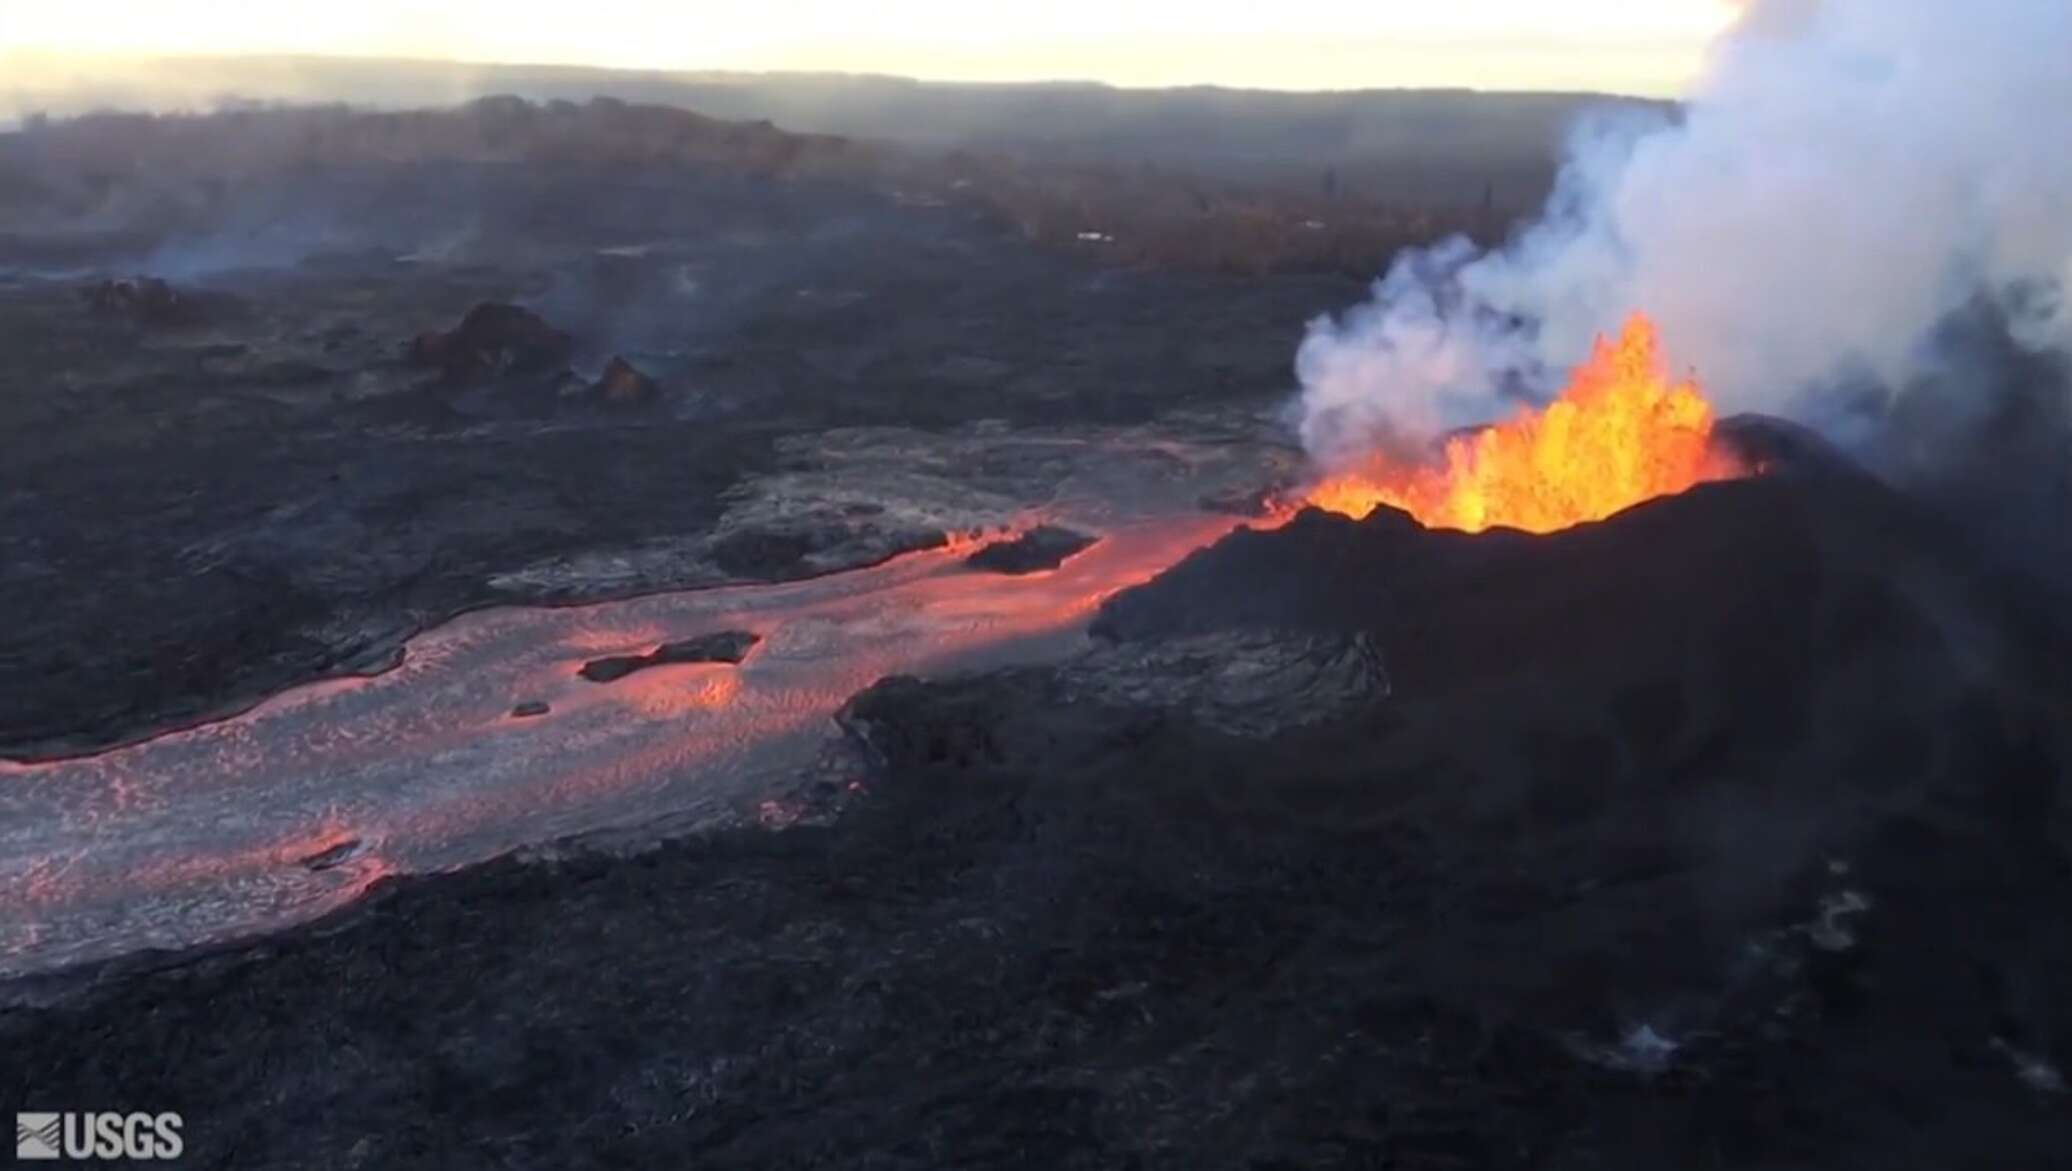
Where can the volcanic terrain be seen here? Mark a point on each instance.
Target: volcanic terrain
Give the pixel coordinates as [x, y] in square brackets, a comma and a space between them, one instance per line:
[1711, 834]
[702, 657]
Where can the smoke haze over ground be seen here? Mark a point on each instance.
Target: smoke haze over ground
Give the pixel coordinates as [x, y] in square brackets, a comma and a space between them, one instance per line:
[1848, 176]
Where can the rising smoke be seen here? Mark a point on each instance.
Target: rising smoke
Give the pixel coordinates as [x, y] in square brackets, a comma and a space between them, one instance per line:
[1847, 177]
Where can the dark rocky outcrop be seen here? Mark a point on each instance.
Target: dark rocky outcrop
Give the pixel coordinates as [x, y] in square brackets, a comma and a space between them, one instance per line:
[1248, 684]
[622, 384]
[803, 547]
[1778, 447]
[1254, 502]
[492, 340]
[761, 553]
[332, 856]
[1043, 547]
[726, 646]
[154, 303]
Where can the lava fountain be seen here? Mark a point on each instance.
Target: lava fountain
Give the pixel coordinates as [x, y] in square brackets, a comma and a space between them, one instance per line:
[1622, 432]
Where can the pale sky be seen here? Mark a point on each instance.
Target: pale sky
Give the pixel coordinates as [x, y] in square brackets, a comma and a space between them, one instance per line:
[1641, 46]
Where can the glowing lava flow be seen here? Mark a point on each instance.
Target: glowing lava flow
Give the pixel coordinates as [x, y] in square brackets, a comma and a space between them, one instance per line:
[302, 803]
[1621, 433]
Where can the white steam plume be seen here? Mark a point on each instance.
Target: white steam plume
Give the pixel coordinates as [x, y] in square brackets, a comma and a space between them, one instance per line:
[1846, 175]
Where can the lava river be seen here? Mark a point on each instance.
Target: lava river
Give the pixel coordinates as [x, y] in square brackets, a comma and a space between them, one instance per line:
[300, 804]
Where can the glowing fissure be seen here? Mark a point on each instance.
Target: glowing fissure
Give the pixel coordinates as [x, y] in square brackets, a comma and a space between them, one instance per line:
[1622, 432]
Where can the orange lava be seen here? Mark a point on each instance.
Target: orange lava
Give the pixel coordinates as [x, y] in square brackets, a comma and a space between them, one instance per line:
[1622, 432]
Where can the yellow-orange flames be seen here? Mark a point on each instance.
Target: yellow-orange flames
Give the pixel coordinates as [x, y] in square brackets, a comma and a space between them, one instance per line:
[1620, 433]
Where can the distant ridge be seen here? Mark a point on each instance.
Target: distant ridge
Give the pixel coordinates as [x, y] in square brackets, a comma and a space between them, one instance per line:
[1269, 134]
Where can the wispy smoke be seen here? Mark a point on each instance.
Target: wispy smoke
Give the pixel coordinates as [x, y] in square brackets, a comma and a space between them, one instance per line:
[1848, 175]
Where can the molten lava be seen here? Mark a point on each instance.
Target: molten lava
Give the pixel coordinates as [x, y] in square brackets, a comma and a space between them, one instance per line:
[1621, 432]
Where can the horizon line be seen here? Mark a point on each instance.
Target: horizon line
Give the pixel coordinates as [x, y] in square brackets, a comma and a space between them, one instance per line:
[348, 58]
